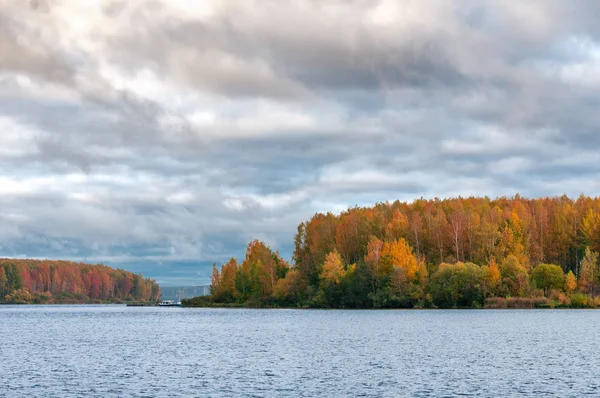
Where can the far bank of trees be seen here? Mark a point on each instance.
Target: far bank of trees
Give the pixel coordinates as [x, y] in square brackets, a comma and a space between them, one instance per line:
[462, 252]
[35, 281]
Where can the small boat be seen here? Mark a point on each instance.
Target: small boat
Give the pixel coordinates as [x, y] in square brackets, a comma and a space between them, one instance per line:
[169, 303]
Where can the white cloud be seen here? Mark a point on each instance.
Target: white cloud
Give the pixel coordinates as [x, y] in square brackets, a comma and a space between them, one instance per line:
[17, 139]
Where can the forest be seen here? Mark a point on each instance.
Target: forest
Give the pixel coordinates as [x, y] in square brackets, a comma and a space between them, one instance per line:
[45, 281]
[440, 253]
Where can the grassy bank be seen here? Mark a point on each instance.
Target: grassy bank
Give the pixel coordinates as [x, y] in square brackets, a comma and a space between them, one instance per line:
[576, 301]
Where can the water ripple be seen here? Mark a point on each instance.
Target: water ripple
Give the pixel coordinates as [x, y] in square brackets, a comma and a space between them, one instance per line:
[115, 351]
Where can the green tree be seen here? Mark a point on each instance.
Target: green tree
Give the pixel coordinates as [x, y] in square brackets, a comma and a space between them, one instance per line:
[3, 283]
[14, 280]
[356, 286]
[137, 287]
[548, 277]
[514, 277]
[457, 285]
[243, 286]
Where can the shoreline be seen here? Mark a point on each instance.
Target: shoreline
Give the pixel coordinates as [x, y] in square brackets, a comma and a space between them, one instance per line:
[310, 308]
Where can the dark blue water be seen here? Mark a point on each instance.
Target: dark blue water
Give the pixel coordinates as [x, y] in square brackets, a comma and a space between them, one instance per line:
[116, 351]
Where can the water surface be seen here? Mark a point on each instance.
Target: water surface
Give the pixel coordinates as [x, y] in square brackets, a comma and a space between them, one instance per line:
[115, 351]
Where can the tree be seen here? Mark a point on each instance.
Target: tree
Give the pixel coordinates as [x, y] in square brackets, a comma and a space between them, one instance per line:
[228, 274]
[14, 280]
[126, 286]
[333, 268]
[397, 228]
[215, 282]
[3, 283]
[570, 281]
[491, 278]
[289, 289]
[407, 291]
[588, 271]
[137, 289]
[65, 281]
[259, 272]
[457, 285]
[548, 277]
[514, 277]
[398, 254]
[374, 263]
[223, 284]
[517, 232]
[243, 284]
[457, 224]
[511, 239]
[591, 229]
[95, 287]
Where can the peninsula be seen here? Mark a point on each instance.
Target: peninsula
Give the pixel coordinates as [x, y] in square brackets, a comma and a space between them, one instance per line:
[452, 253]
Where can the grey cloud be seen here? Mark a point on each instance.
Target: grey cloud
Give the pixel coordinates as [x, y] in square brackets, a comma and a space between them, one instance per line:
[23, 50]
[292, 42]
[299, 107]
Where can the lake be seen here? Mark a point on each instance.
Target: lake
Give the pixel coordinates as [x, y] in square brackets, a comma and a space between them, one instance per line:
[116, 351]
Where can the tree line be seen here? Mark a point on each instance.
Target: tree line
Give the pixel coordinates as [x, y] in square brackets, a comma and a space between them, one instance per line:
[458, 252]
[45, 281]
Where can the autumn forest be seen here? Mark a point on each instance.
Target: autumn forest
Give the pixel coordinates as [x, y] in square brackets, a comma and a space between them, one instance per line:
[34, 281]
[450, 253]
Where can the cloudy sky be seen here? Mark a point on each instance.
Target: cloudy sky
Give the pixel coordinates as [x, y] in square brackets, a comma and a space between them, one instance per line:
[162, 136]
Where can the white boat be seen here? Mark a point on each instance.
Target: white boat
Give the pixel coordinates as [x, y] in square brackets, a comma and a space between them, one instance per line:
[169, 303]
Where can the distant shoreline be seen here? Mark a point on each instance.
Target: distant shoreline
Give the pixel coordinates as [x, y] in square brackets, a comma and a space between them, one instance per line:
[303, 308]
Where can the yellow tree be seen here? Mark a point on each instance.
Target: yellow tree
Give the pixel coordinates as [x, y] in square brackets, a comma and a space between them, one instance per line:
[570, 281]
[397, 227]
[215, 282]
[588, 271]
[491, 278]
[398, 254]
[591, 229]
[263, 268]
[407, 274]
[333, 268]
[511, 240]
[489, 234]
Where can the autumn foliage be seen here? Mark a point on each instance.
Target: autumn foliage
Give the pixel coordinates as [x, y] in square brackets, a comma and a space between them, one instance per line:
[257, 279]
[34, 281]
[459, 252]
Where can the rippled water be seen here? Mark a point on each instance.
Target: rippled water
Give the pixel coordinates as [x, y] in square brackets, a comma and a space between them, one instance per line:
[104, 351]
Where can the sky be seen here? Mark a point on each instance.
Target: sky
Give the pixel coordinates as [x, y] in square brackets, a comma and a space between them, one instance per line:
[163, 136]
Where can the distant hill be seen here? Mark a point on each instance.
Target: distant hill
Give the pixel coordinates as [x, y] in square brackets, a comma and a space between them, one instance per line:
[181, 292]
